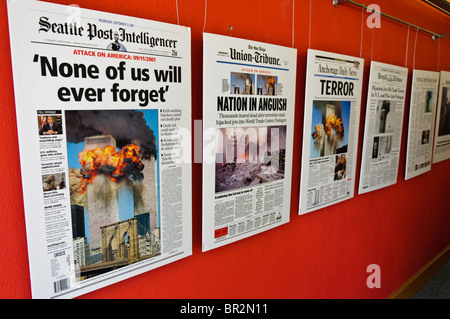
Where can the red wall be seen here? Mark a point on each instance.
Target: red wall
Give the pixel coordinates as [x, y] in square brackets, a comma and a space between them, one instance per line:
[323, 254]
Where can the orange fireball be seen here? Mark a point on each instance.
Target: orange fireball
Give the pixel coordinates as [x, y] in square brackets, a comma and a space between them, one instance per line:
[109, 162]
[332, 122]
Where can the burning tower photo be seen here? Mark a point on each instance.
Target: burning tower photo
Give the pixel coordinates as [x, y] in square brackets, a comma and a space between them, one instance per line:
[113, 176]
[267, 84]
[242, 83]
[330, 121]
[102, 193]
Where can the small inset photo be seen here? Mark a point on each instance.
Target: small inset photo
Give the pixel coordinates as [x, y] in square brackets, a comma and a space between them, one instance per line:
[242, 83]
[385, 116]
[425, 137]
[429, 101]
[267, 84]
[340, 167]
[52, 182]
[49, 124]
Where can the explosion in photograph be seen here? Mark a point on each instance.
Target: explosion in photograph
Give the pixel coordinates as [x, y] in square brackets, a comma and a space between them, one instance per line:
[127, 126]
[330, 121]
[113, 178]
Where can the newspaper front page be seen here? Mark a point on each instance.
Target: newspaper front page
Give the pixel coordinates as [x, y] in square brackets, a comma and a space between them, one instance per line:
[248, 117]
[422, 113]
[330, 131]
[383, 126]
[441, 150]
[100, 100]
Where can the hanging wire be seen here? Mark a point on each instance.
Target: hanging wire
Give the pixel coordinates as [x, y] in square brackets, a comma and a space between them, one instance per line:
[293, 19]
[415, 43]
[362, 32]
[371, 50]
[310, 4]
[439, 53]
[178, 17]
[407, 46]
[204, 22]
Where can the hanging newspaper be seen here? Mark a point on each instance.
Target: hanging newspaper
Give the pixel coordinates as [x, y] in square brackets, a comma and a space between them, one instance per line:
[421, 122]
[383, 126]
[101, 100]
[248, 118]
[441, 150]
[330, 131]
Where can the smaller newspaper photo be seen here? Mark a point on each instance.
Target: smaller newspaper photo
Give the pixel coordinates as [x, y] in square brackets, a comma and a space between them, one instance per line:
[383, 126]
[330, 129]
[421, 122]
[441, 149]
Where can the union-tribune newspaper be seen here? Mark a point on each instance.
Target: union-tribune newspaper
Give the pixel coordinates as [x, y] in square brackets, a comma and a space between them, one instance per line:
[248, 124]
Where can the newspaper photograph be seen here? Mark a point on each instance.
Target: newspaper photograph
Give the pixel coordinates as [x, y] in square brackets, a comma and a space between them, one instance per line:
[101, 100]
[383, 126]
[248, 118]
[441, 149]
[422, 113]
[330, 129]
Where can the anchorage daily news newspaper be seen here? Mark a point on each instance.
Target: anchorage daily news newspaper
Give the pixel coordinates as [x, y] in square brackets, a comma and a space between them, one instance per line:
[383, 126]
[422, 113]
[330, 131]
[100, 101]
[248, 118]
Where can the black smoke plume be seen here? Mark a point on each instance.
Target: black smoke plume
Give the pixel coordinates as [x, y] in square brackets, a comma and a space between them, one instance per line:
[126, 126]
